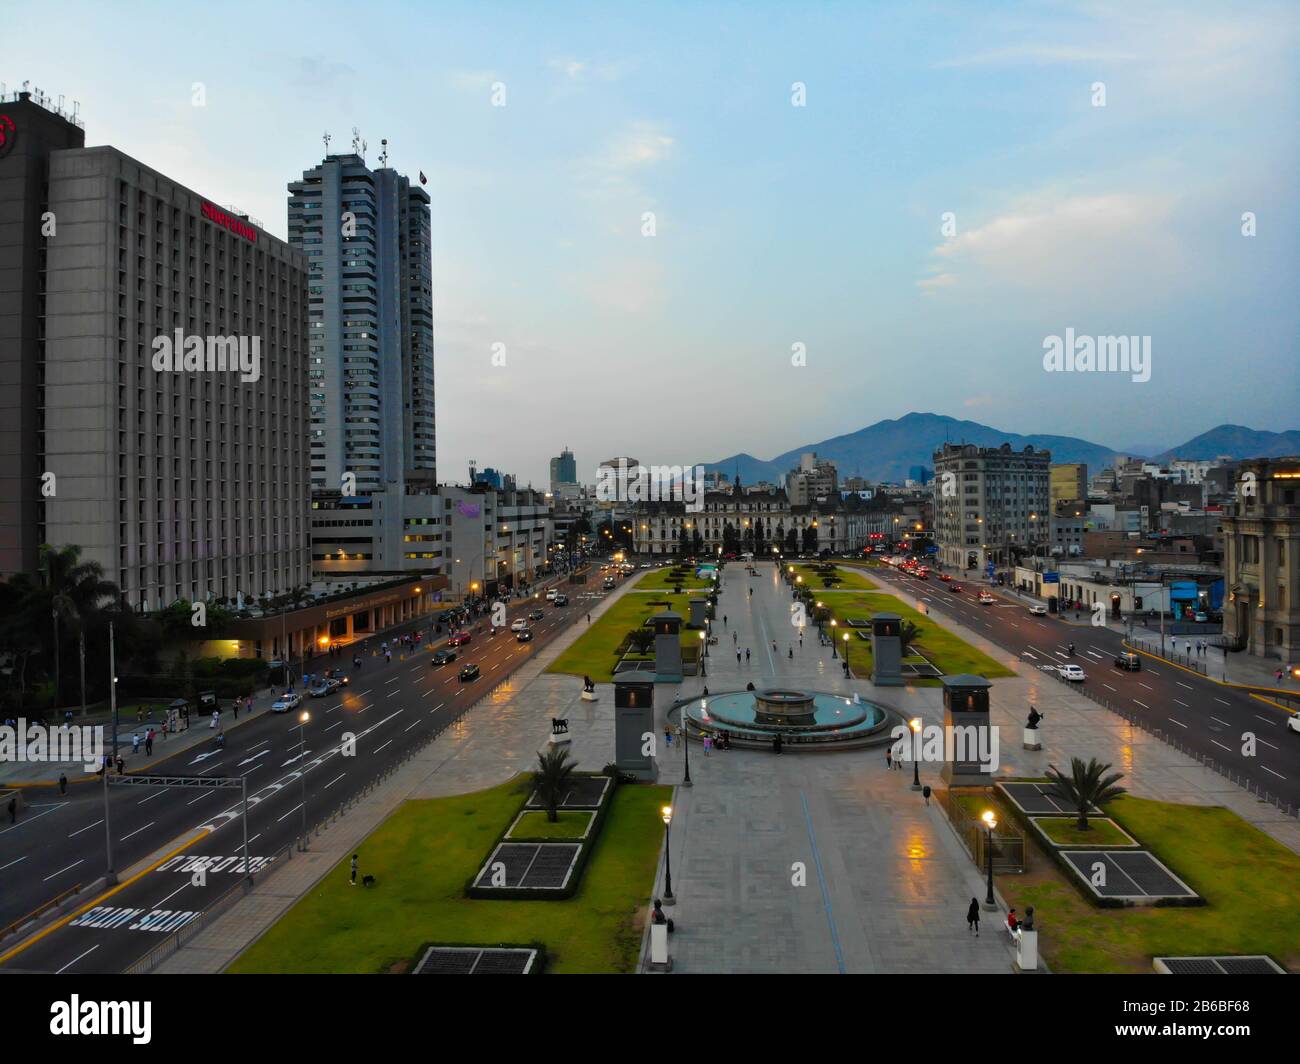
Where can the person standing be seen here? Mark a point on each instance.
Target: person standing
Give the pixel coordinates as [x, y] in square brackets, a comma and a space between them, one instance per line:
[889, 758]
[13, 810]
[973, 918]
[135, 743]
[354, 868]
[746, 655]
[148, 745]
[63, 783]
[708, 745]
[738, 656]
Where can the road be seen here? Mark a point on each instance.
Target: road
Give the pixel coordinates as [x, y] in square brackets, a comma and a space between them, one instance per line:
[390, 709]
[1208, 718]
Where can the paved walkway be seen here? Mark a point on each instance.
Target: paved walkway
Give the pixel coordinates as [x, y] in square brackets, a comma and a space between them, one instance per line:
[885, 882]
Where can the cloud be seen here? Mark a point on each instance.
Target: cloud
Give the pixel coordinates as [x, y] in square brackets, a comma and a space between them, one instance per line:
[577, 71]
[1066, 243]
[643, 144]
[1038, 55]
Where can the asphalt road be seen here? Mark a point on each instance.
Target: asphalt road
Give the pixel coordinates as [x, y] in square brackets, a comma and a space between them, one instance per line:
[1206, 717]
[390, 709]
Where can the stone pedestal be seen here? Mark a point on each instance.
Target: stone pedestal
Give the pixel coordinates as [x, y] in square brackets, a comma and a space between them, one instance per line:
[966, 719]
[634, 725]
[1033, 739]
[668, 647]
[886, 650]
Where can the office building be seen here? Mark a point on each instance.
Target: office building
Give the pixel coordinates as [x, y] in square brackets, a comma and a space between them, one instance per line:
[1069, 481]
[989, 503]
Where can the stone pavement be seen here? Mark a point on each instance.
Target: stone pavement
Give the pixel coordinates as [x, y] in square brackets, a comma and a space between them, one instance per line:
[887, 882]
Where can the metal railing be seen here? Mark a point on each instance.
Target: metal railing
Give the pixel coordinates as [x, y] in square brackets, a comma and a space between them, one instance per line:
[1008, 848]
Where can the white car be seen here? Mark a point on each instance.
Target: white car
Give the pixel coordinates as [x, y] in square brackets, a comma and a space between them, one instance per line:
[518, 624]
[1293, 723]
[986, 599]
[1073, 673]
[287, 701]
[550, 594]
[1038, 611]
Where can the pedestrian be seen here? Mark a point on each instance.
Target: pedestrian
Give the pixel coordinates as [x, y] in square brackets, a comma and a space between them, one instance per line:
[746, 655]
[708, 745]
[724, 620]
[354, 869]
[738, 657]
[148, 745]
[589, 618]
[973, 918]
[889, 758]
[1278, 676]
[791, 653]
[925, 793]
[135, 743]
[668, 736]
[13, 810]
[235, 707]
[63, 783]
[121, 765]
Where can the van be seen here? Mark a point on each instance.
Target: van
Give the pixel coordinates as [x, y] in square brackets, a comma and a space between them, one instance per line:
[1128, 661]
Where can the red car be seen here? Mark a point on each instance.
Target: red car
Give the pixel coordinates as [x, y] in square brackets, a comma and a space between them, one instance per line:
[954, 587]
[459, 639]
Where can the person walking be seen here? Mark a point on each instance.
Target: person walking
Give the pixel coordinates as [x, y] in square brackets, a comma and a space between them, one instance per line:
[724, 620]
[889, 758]
[13, 810]
[791, 653]
[148, 744]
[63, 783]
[354, 869]
[973, 918]
[708, 745]
[135, 743]
[738, 659]
[668, 736]
[746, 655]
[121, 765]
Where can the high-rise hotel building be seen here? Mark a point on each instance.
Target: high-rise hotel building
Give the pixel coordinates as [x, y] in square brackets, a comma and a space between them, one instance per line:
[184, 482]
[366, 238]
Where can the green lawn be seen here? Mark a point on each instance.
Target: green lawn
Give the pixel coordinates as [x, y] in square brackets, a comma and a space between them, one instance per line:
[657, 580]
[1247, 879]
[849, 580]
[1064, 832]
[572, 824]
[947, 652]
[592, 654]
[421, 858]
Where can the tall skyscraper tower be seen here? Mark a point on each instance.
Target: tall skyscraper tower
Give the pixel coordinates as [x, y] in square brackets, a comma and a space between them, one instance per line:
[370, 315]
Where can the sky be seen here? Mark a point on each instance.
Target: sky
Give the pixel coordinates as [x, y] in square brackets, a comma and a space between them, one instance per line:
[705, 228]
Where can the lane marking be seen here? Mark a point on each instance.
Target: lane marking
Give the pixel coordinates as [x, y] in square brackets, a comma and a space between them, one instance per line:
[1178, 722]
[75, 959]
[138, 830]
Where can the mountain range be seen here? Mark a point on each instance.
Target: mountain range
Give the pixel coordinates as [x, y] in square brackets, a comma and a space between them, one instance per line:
[888, 450]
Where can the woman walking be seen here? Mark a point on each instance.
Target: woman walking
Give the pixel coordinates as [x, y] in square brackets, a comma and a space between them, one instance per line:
[973, 917]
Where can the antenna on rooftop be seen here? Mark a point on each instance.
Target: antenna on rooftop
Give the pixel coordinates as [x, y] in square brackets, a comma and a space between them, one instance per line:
[326, 138]
[383, 153]
[356, 140]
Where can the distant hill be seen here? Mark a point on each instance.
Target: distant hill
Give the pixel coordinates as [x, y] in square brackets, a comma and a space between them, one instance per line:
[1236, 441]
[888, 450]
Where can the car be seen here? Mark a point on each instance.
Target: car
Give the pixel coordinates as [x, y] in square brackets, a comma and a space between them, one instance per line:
[1293, 722]
[1038, 611]
[1201, 617]
[1128, 661]
[323, 687]
[986, 599]
[608, 585]
[468, 672]
[536, 615]
[524, 635]
[551, 594]
[954, 587]
[459, 639]
[561, 600]
[442, 657]
[945, 577]
[338, 674]
[1073, 673]
[287, 701]
[518, 624]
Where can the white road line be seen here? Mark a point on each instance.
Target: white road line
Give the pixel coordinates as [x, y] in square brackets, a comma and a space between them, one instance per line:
[1178, 722]
[333, 781]
[1270, 771]
[75, 959]
[1266, 720]
[291, 812]
[173, 894]
[1223, 722]
[200, 798]
[1108, 687]
[1141, 684]
[138, 830]
[334, 725]
[1187, 685]
[393, 693]
[1222, 702]
[12, 863]
[408, 728]
[86, 828]
[378, 748]
[1266, 743]
[1153, 672]
[1142, 704]
[1220, 745]
[1183, 704]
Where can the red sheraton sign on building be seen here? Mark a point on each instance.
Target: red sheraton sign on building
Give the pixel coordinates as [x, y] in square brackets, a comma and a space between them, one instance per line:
[236, 225]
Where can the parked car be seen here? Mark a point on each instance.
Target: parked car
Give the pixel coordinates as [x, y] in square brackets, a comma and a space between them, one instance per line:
[1038, 611]
[524, 635]
[1128, 661]
[468, 672]
[287, 701]
[1073, 673]
[459, 639]
[1202, 617]
[442, 657]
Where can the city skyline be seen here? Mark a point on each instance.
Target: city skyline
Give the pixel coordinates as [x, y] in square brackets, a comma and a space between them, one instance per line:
[776, 224]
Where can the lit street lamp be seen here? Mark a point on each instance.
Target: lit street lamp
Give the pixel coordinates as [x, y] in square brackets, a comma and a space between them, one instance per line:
[915, 724]
[303, 718]
[990, 822]
[667, 813]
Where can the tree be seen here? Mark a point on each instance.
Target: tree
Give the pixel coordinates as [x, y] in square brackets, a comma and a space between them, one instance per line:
[908, 633]
[551, 777]
[810, 540]
[75, 591]
[1086, 786]
[792, 541]
[730, 539]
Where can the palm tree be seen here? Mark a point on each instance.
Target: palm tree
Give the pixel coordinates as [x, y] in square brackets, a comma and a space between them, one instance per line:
[908, 633]
[1086, 786]
[551, 777]
[75, 592]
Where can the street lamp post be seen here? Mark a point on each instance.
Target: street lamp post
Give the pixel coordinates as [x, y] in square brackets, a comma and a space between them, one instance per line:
[667, 814]
[915, 724]
[834, 651]
[704, 653]
[303, 718]
[990, 822]
[686, 746]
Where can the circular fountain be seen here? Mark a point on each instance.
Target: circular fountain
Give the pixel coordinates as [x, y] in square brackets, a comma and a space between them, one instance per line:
[798, 717]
